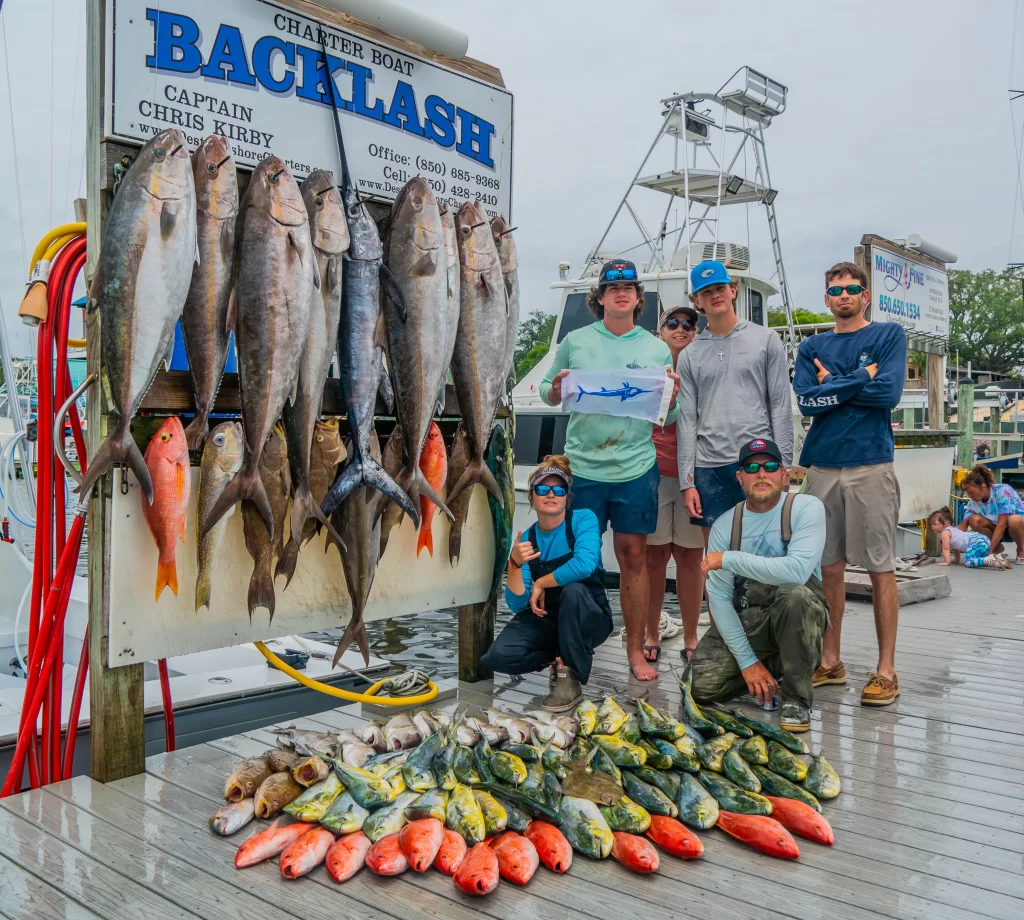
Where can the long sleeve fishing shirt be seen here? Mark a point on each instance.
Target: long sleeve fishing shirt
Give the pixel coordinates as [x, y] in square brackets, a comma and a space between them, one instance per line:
[732, 389]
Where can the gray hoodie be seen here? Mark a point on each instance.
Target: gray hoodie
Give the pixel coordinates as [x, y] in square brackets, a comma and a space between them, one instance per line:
[732, 390]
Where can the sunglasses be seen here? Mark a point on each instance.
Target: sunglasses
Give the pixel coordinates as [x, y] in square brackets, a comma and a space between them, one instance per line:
[838, 289]
[542, 490]
[688, 324]
[619, 274]
[769, 466]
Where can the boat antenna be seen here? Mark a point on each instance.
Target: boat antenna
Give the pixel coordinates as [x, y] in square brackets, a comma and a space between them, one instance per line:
[346, 175]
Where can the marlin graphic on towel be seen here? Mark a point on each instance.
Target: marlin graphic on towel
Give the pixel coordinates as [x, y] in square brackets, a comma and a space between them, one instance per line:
[626, 391]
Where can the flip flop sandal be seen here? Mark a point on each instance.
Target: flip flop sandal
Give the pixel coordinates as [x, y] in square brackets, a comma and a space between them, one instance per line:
[657, 653]
[687, 653]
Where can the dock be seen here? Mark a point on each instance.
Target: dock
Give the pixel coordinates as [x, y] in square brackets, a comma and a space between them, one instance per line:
[930, 823]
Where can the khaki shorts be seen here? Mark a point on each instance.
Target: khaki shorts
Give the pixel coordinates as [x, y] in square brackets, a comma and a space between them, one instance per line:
[673, 522]
[862, 509]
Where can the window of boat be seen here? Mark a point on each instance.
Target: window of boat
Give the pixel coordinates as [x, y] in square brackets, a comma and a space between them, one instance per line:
[577, 314]
[756, 302]
[539, 435]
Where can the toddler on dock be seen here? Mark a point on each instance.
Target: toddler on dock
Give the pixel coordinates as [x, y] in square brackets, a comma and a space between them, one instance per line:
[973, 548]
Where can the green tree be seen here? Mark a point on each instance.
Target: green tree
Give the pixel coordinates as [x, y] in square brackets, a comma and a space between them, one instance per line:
[986, 319]
[777, 317]
[533, 341]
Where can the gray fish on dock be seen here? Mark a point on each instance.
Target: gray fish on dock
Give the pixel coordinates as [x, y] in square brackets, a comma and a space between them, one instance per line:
[222, 459]
[480, 343]
[372, 733]
[140, 284]
[275, 483]
[233, 817]
[276, 278]
[207, 319]
[401, 733]
[509, 260]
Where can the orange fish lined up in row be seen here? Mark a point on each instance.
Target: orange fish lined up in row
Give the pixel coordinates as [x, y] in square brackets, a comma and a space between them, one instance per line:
[167, 462]
[433, 465]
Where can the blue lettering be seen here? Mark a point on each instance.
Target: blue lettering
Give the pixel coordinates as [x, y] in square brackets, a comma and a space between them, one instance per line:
[174, 38]
[263, 53]
[440, 122]
[402, 113]
[475, 138]
[229, 54]
[313, 85]
[361, 76]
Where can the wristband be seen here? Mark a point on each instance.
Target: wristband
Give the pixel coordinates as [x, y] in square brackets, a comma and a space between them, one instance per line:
[516, 564]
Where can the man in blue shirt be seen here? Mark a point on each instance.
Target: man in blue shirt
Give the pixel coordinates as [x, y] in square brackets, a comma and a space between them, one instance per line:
[763, 568]
[848, 381]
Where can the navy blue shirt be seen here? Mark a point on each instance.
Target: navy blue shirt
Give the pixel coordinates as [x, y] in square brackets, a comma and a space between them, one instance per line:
[851, 412]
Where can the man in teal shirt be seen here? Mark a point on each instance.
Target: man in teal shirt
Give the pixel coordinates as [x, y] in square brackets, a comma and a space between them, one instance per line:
[615, 473]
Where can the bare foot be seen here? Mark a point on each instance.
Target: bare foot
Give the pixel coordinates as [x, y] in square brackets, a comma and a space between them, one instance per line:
[641, 669]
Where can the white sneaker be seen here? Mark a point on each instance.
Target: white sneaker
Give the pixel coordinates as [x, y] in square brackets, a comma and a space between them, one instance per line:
[995, 562]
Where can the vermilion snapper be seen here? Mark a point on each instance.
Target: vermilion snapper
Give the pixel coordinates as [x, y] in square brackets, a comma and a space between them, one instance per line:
[434, 466]
[673, 838]
[420, 842]
[385, 857]
[268, 843]
[478, 873]
[552, 847]
[347, 856]
[167, 462]
[517, 857]
[635, 853]
[760, 832]
[801, 819]
[306, 853]
[452, 852]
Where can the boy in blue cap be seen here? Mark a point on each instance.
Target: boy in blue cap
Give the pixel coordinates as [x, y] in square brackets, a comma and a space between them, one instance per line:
[733, 387]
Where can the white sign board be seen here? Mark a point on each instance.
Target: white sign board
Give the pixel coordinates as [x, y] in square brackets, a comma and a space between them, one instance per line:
[253, 71]
[910, 293]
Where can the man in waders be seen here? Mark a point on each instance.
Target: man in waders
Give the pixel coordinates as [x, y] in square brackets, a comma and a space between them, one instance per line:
[556, 591]
[764, 587]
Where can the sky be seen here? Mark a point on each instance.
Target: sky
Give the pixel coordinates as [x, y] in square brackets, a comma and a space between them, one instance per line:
[898, 121]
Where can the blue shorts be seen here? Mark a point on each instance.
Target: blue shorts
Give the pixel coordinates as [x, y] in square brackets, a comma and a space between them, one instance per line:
[630, 507]
[719, 491]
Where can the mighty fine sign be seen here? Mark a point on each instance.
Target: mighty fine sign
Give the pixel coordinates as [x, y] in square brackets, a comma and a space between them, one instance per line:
[253, 71]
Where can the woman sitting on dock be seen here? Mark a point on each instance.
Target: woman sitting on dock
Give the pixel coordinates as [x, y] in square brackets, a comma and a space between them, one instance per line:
[970, 548]
[995, 509]
[556, 590]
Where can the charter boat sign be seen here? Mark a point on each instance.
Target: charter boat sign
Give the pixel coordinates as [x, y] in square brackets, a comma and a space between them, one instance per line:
[255, 72]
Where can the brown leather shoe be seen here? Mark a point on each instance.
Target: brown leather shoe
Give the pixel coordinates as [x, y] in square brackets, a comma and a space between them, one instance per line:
[836, 675]
[880, 691]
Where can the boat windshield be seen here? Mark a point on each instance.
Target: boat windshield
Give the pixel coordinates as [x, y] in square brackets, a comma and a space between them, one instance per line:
[577, 314]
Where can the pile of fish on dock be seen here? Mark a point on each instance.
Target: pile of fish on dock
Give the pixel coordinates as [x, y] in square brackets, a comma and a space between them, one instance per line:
[299, 273]
[494, 796]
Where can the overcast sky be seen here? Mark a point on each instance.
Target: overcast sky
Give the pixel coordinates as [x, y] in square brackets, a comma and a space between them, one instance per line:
[898, 122]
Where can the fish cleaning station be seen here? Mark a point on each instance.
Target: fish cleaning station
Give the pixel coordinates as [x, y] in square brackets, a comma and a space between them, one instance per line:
[297, 418]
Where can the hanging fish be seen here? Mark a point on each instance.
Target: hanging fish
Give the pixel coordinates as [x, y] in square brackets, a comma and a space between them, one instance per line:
[171, 483]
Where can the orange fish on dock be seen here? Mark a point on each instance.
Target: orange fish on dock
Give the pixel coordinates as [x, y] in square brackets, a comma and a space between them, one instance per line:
[801, 819]
[517, 857]
[420, 841]
[167, 462]
[552, 847]
[347, 856]
[433, 465]
[674, 838]
[635, 853]
[478, 874]
[761, 833]
[267, 844]
[306, 853]
[452, 852]
[385, 857]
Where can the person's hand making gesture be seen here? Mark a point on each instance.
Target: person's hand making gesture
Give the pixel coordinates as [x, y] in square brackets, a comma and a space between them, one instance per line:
[522, 551]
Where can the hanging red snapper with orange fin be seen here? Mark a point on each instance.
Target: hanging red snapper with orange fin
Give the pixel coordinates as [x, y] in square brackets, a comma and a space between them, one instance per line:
[434, 466]
[167, 462]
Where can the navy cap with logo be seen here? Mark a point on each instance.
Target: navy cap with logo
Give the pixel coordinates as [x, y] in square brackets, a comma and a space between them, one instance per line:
[618, 270]
[759, 446]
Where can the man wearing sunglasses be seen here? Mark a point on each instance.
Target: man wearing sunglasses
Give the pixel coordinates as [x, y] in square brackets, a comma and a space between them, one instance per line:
[848, 381]
[764, 588]
[615, 473]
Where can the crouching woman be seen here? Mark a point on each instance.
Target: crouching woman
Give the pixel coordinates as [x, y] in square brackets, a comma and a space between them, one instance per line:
[555, 588]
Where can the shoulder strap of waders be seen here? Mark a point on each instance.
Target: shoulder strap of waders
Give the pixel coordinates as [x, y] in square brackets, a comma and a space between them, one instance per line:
[736, 540]
[787, 520]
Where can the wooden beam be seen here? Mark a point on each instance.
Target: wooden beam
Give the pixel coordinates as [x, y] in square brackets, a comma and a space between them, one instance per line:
[936, 377]
[965, 422]
[476, 634]
[118, 742]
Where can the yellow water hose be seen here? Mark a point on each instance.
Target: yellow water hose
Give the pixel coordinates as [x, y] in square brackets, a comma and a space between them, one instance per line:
[58, 245]
[75, 229]
[370, 696]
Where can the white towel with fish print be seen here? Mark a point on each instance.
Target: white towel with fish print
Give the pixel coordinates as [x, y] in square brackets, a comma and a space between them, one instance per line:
[643, 393]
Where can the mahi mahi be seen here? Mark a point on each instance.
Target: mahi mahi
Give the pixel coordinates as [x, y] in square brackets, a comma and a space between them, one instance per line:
[275, 277]
[499, 462]
[207, 320]
[222, 459]
[140, 285]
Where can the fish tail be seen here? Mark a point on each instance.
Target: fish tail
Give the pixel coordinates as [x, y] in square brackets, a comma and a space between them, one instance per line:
[286, 564]
[119, 447]
[197, 430]
[202, 590]
[356, 629]
[454, 547]
[261, 590]
[477, 471]
[166, 577]
[376, 477]
[246, 484]
[348, 479]
[581, 394]
[425, 539]
[303, 508]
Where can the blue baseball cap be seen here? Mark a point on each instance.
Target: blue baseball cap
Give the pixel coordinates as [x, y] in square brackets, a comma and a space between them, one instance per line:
[708, 273]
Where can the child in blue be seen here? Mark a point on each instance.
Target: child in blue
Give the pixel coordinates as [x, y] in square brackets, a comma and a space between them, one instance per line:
[970, 548]
[555, 588]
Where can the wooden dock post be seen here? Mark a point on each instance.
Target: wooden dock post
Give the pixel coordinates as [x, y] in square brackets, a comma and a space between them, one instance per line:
[965, 422]
[118, 741]
[476, 633]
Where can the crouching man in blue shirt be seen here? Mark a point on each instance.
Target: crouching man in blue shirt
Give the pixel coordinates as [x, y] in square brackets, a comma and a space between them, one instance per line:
[764, 587]
[556, 590]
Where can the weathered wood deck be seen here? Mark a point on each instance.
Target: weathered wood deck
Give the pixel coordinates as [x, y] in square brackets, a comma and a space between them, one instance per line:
[930, 823]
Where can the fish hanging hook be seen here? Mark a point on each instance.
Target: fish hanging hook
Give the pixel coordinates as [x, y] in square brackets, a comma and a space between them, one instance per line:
[58, 428]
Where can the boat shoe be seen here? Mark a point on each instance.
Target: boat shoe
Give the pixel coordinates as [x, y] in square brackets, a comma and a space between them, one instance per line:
[836, 675]
[880, 691]
[565, 693]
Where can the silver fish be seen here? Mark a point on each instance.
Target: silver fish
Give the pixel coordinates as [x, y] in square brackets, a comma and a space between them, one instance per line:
[140, 284]
[233, 817]
[451, 253]
[207, 320]
[509, 260]
[466, 736]
[426, 724]
[401, 733]
[372, 733]
[306, 742]
[222, 458]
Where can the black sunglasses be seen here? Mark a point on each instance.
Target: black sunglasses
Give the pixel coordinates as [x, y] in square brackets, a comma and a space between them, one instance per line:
[838, 289]
[770, 466]
[674, 323]
[619, 274]
[542, 490]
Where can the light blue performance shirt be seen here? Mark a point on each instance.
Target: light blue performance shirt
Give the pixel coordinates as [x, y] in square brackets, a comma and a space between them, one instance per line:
[761, 558]
[586, 557]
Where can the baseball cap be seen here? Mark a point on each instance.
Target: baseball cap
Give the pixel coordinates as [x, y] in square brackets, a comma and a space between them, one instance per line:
[759, 446]
[617, 270]
[689, 311]
[707, 273]
[546, 471]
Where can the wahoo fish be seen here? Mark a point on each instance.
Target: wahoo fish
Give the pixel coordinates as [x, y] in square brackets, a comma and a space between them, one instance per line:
[222, 458]
[275, 486]
[360, 355]
[417, 344]
[509, 260]
[208, 317]
[480, 343]
[330, 239]
[141, 281]
[276, 278]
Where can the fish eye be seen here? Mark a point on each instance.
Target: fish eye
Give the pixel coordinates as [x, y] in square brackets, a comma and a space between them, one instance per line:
[159, 153]
[319, 439]
[211, 168]
[273, 178]
[353, 211]
[466, 231]
[219, 439]
[165, 437]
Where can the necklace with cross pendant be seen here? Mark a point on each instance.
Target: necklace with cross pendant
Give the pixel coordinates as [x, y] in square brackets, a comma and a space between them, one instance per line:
[721, 354]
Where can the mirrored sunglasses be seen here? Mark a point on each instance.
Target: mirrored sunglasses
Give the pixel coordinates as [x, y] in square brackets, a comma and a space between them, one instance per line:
[838, 289]
[542, 490]
[770, 466]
